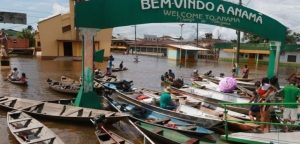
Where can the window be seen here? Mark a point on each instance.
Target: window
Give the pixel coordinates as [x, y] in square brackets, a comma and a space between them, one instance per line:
[291, 58]
[66, 28]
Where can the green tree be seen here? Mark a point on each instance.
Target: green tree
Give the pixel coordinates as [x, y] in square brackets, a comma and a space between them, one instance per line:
[291, 38]
[28, 33]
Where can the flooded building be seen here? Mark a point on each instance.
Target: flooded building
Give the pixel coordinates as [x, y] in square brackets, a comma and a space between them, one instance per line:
[59, 37]
[259, 52]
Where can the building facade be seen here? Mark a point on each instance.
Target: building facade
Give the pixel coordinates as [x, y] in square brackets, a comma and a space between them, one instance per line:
[58, 36]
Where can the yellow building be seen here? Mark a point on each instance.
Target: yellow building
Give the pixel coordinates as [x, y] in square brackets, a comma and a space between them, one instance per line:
[58, 36]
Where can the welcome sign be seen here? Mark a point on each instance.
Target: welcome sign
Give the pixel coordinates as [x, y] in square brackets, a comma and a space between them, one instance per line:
[113, 13]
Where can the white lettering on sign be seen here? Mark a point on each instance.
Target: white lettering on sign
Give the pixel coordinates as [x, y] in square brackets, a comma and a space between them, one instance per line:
[202, 5]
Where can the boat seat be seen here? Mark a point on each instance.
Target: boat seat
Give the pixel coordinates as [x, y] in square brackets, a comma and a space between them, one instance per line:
[34, 105]
[26, 129]
[110, 114]
[8, 100]
[63, 110]
[157, 131]
[192, 141]
[3, 99]
[161, 121]
[73, 111]
[20, 120]
[42, 139]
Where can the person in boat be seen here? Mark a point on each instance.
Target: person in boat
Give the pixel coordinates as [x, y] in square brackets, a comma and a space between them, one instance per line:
[222, 75]
[196, 76]
[164, 77]
[245, 71]
[23, 77]
[166, 102]
[291, 94]
[121, 65]
[171, 75]
[209, 73]
[255, 109]
[178, 83]
[14, 75]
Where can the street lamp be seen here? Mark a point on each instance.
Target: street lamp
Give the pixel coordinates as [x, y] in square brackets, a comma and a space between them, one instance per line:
[181, 25]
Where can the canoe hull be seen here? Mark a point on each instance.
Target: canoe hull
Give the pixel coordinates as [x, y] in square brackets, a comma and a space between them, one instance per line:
[207, 123]
[56, 111]
[18, 118]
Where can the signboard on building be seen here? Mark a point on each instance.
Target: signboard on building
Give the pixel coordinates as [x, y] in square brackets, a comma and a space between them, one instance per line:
[14, 18]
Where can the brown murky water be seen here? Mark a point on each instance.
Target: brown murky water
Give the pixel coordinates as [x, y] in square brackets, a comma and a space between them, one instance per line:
[144, 74]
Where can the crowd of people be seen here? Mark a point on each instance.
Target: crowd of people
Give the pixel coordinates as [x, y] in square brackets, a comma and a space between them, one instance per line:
[265, 92]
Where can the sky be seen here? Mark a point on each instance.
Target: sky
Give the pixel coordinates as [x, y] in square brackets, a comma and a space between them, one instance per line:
[285, 11]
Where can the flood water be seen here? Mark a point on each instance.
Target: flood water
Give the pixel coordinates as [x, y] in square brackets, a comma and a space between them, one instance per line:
[145, 74]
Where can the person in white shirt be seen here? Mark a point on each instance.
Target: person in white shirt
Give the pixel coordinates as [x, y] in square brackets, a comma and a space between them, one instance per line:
[14, 75]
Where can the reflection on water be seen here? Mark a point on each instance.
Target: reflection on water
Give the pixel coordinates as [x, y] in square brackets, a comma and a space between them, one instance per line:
[144, 74]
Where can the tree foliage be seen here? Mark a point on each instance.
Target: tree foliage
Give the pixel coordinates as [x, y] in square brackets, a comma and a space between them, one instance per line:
[28, 33]
[291, 38]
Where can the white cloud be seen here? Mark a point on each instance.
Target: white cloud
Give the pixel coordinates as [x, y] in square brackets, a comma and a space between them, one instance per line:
[57, 9]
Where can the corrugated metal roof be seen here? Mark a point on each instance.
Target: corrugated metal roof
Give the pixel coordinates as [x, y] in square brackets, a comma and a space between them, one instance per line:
[188, 47]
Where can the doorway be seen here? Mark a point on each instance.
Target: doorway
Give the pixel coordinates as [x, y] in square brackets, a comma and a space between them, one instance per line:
[68, 49]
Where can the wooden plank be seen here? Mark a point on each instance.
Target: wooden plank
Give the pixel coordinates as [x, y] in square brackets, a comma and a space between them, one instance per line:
[157, 131]
[34, 105]
[19, 120]
[2, 99]
[3, 102]
[26, 129]
[74, 111]
[42, 139]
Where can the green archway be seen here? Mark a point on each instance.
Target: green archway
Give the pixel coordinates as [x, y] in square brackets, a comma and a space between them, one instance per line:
[101, 14]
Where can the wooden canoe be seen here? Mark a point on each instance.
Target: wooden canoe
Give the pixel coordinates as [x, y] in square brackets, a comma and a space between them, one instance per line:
[166, 136]
[118, 69]
[68, 81]
[21, 83]
[188, 107]
[245, 79]
[157, 119]
[55, 111]
[63, 88]
[213, 97]
[208, 85]
[28, 130]
[110, 137]
[115, 134]
[248, 85]
[204, 121]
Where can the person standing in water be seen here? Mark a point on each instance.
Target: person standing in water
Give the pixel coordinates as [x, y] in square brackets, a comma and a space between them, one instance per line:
[245, 71]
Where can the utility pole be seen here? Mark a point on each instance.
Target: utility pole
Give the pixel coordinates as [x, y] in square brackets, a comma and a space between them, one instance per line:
[238, 45]
[136, 56]
[181, 39]
[197, 42]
